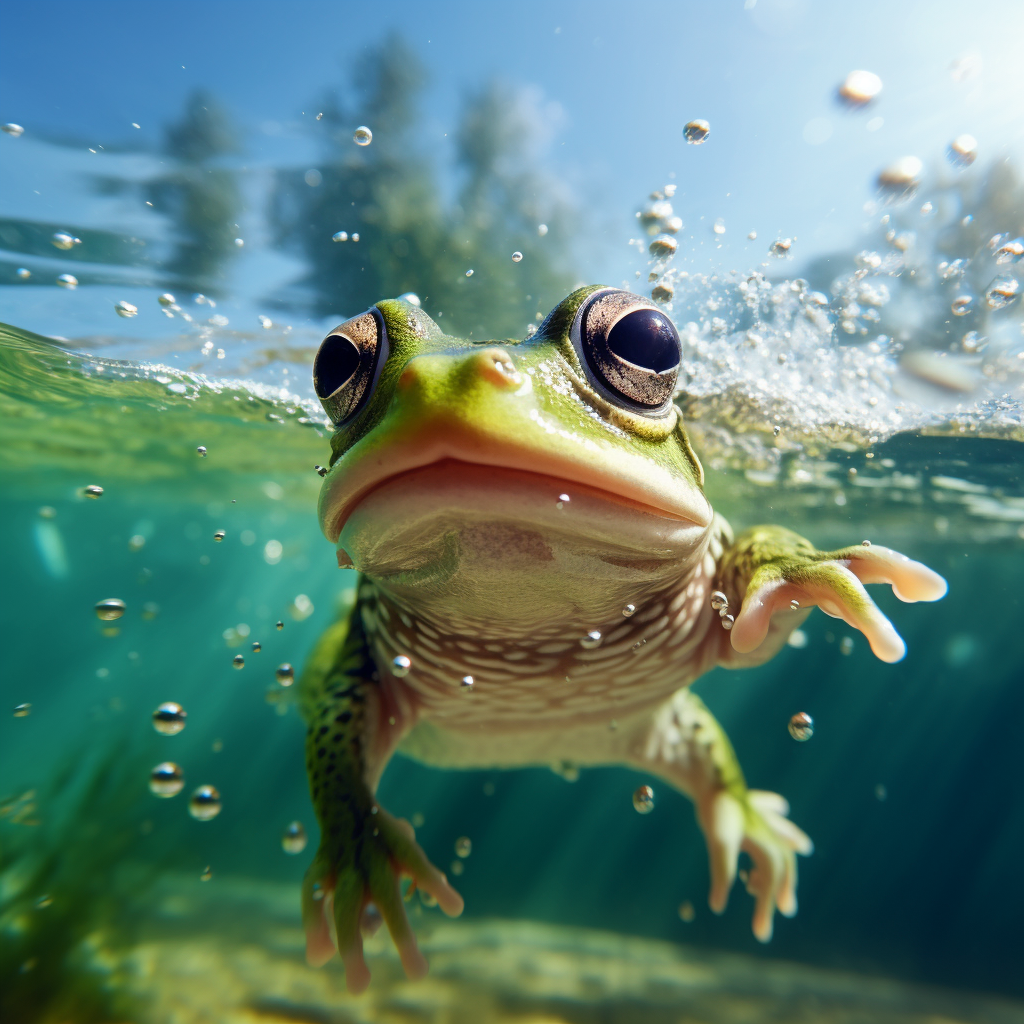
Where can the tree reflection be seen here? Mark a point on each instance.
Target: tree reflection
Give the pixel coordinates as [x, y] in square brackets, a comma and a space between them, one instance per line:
[410, 239]
[201, 197]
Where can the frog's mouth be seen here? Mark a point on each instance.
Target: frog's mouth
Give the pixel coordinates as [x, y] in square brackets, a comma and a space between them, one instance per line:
[388, 499]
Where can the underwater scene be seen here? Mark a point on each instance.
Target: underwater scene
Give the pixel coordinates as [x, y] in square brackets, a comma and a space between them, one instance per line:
[511, 514]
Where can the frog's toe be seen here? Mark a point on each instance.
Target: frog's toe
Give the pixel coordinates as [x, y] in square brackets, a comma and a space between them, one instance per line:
[343, 902]
[911, 581]
[834, 588]
[758, 826]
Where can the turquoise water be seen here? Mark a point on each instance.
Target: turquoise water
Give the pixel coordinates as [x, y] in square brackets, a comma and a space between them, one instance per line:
[833, 390]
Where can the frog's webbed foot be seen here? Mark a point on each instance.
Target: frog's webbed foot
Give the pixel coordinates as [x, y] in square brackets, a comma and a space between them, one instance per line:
[756, 823]
[834, 581]
[350, 877]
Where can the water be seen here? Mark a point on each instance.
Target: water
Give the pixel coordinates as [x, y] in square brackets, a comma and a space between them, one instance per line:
[159, 473]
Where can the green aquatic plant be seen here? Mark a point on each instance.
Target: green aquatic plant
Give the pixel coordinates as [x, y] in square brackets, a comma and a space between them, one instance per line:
[68, 886]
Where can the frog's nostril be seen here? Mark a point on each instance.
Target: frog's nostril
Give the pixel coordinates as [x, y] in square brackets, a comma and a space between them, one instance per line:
[496, 365]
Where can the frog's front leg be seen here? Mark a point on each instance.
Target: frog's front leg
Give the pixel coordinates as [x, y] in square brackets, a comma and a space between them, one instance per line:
[354, 724]
[779, 576]
[686, 746]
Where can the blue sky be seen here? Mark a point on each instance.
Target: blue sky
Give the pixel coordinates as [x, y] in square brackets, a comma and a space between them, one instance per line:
[616, 83]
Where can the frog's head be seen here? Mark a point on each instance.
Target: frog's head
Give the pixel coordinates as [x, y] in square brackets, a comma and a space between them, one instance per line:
[512, 479]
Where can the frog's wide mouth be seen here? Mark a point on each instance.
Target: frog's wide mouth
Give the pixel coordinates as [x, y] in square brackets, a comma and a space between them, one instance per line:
[621, 480]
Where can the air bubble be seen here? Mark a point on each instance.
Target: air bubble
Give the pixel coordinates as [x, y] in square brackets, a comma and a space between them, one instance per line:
[794, 605]
[859, 88]
[963, 151]
[728, 621]
[463, 847]
[12, 129]
[719, 600]
[169, 718]
[643, 800]
[279, 625]
[218, 536]
[542, 230]
[167, 299]
[781, 247]
[23, 273]
[238, 661]
[285, 674]
[469, 273]
[166, 779]
[68, 281]
[62, 240]
[400, 666]
[257, 647]
[686, 912]
[467, 682]
[563, 500]
[294, 838]
[718, 227]
[846, 645]
[339, 236]
[23, 711]
[204, 804]
[696, 131]
[93, 491]
[901, 176]
[663, 246]
[1003, 290]
[591, 640]
[362, 136]
[109, 609]
[125, 309]
[517, 257]
[801, 726]
[662, 293]
[962, 305]
[628, 610]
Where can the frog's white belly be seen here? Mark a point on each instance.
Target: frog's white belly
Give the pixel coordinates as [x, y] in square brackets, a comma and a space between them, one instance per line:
[547, 696]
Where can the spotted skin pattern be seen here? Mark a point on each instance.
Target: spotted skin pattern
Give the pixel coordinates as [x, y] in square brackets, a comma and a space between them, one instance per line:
[445, 492]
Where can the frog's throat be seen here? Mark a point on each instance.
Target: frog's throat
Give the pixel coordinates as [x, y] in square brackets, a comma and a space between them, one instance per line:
[624, 479]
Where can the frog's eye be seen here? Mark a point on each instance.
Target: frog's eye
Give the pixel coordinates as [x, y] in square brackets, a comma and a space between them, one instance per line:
[346, 365]
[631, 348]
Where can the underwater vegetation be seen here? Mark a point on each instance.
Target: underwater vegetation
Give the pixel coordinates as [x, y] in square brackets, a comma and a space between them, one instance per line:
[71, 888]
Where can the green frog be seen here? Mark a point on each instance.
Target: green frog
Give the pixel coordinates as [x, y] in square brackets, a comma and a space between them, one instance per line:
[541, 579]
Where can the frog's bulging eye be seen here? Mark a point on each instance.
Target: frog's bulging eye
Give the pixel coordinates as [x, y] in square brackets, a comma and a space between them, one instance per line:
[631, 348]
[346, 365]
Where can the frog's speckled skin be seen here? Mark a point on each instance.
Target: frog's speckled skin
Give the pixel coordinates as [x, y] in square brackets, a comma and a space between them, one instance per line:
[447, 492]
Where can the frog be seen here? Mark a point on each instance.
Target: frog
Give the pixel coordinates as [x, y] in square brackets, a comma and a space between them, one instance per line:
[541, 578]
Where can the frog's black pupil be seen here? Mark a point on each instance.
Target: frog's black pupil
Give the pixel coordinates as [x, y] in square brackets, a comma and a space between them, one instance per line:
[335, 363]
[646, 338]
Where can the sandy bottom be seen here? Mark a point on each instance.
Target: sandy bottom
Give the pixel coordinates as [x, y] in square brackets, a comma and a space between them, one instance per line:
[228, 952]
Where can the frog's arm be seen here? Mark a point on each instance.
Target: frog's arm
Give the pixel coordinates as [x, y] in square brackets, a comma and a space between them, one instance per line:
[684, 744]
[774, 577]
[354, 723]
